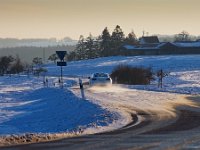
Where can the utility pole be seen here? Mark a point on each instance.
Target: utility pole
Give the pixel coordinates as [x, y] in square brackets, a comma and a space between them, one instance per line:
[44, 56]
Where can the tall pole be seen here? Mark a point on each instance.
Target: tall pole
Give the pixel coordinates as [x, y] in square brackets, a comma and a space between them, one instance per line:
[61, 76]
[44, 55]
[161, 77]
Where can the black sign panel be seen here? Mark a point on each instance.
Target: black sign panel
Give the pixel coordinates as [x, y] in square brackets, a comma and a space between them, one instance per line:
[61, 63]
[61, 54]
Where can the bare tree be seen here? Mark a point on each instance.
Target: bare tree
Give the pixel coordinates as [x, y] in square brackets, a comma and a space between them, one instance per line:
[183, 36]
[53, 58]
[161, 75]
[37, 61]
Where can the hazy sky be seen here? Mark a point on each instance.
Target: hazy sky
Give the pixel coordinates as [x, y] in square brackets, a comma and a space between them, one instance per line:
[60, 18]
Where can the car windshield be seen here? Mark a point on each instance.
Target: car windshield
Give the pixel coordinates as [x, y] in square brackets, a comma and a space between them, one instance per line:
[100, 75]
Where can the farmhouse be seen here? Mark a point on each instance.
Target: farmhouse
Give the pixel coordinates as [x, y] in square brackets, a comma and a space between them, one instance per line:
[151, 46]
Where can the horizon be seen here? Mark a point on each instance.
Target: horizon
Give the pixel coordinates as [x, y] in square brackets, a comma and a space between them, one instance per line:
[42, 19]
[58, 39]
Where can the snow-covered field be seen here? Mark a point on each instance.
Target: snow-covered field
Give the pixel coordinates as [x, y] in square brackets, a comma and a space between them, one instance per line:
[183, 70]
[169, 63]
[26, 106]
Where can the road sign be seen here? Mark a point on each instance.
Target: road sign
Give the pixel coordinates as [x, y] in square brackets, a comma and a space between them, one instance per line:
[61, 63]
[61, 54]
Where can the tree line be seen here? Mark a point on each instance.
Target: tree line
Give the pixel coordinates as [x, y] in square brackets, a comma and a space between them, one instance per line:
[14, 65]
[109, 44]
[106, 44]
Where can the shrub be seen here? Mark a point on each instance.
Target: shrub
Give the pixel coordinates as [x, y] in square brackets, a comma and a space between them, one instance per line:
[39, 71]
[5, 62]
[125, 74]
[17, 66]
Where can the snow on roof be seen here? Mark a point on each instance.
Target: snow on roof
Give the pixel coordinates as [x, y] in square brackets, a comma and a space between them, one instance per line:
[188, 44]
[168, 44]
[129, 47]
[142, 46]
[160, 45]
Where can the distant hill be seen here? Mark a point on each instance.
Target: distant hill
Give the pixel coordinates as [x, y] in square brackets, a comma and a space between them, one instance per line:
[27, 49]
[27, 53]
[13, 42]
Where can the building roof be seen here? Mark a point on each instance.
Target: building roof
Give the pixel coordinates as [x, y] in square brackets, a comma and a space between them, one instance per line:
[128, 47]
[188, 44]
[140, 47]
[164, 45]
[149, 39]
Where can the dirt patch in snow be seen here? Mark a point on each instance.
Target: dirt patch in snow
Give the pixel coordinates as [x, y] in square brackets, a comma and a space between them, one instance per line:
[33, 138]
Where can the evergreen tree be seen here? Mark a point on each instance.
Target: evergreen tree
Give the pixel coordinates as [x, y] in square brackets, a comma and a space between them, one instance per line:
[105, 42]
[117, 39]
[80, 48]
[89, 47]
[97, 47]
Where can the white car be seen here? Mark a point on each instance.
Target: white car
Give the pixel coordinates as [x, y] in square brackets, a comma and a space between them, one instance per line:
[100, 79]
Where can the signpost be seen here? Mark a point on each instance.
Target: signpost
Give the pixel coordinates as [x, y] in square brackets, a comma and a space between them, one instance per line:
[61, 54]
[61, 63]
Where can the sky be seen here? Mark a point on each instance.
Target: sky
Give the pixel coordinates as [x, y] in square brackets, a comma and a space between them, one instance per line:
[72, 18]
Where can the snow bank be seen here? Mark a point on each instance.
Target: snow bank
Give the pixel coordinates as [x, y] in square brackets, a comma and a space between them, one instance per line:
[26, 106]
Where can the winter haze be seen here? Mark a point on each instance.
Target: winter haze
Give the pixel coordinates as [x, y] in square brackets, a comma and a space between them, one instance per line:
[60, 18]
